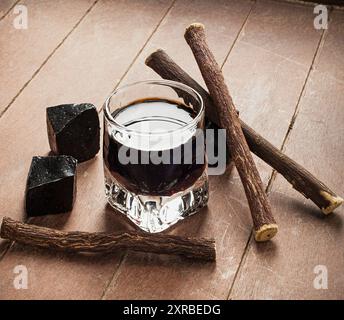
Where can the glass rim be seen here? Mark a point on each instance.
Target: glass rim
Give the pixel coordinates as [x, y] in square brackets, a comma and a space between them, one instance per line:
[168, 83]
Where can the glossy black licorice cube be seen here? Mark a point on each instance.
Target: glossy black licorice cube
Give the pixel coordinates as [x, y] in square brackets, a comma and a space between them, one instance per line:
[73, 129]
[51, 185]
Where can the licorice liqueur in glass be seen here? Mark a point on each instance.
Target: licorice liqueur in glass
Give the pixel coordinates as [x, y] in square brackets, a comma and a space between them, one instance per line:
[154, 160]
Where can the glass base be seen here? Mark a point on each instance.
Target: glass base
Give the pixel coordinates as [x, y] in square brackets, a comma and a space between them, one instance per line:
[156, 213]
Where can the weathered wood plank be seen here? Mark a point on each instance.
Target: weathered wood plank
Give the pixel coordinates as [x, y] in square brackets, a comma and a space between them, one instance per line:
[329, 2]
[258, 79]
[223, 20]
[331, 61]
[276, 24]
[23, 51]
[285, 269]
[5, 6]
[85, 68]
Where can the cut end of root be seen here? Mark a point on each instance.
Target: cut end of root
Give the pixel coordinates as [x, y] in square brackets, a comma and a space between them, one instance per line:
[334, 201]
[266, 232]
[195, 25]
[150, 57]
[3, 226]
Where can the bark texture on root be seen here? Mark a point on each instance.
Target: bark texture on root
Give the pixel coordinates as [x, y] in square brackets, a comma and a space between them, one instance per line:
[264, 224]
[299, 177]
[100, 242]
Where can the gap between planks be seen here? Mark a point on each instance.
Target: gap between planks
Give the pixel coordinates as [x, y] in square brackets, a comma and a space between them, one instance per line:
[297, 107]
[274, 173]
[140, 51]
[48, 57]
[117, 271]
[224, 62]
[8, 246]
[254, 2]
[9, 10]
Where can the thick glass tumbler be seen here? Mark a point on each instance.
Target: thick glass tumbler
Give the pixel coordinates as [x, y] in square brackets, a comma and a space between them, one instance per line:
[155, 165]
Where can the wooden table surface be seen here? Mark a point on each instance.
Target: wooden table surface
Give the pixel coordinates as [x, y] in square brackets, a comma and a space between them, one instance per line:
[287, 80]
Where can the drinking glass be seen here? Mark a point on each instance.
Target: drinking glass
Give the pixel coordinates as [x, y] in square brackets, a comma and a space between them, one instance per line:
[155, 165]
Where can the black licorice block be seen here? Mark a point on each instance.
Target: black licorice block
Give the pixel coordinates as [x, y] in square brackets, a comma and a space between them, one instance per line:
[73, 129]
[51, 185]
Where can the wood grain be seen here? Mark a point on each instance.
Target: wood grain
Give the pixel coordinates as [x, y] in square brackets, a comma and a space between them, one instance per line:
[333, 48]
[275, 24]
[256, 90]
[101, 219]
[300, 178]
[71, 75]
[268, 84]
[5, 7]
[223, 20]
[286, 269]
[23, 51]
[104, 242]
[86, 68]
[264, 224]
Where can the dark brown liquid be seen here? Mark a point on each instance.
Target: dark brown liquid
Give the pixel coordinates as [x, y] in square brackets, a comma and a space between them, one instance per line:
[161, 179]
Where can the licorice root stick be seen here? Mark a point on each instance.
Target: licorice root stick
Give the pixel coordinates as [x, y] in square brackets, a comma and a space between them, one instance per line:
[264, 224]
[101, 242]
[299, 177]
